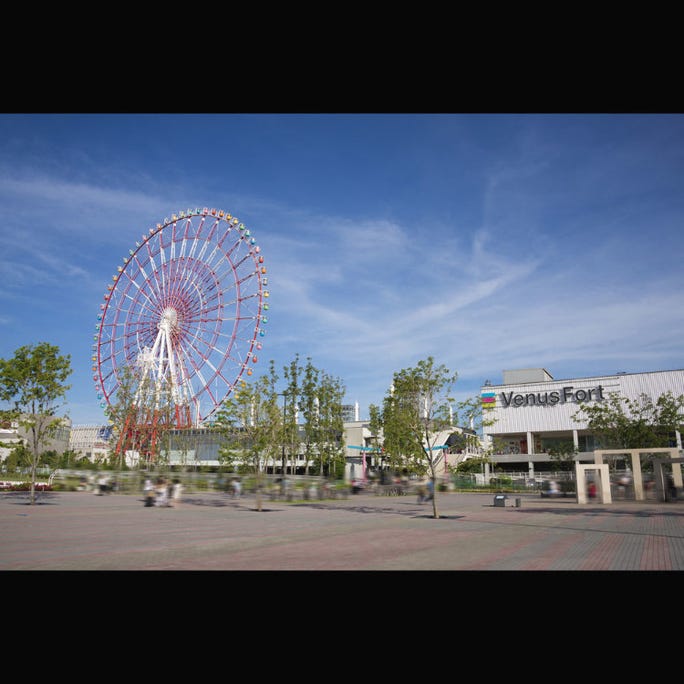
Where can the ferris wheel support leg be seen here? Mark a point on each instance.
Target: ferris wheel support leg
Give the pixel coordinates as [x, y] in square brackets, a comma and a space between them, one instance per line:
[123, 437]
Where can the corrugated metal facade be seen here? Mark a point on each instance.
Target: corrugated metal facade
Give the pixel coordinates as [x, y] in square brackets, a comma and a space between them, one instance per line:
[532, 406]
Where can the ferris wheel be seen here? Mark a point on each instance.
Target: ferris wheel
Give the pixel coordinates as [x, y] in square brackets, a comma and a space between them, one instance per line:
[186, 312]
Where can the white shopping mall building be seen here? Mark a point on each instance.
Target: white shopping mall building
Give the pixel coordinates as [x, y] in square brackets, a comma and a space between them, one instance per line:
[532, 413]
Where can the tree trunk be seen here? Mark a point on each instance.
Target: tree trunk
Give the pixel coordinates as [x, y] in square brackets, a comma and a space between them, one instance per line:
[434, 494]
[259, 484]
[32, 498]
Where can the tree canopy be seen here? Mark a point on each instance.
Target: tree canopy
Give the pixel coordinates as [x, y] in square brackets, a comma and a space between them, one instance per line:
[33, 382]
[415, 409]
[623, 423]
[251, 423]
[259, 430]
[141, 418]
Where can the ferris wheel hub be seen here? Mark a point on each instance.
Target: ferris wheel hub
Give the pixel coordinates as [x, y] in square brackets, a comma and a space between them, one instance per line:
[169, 319]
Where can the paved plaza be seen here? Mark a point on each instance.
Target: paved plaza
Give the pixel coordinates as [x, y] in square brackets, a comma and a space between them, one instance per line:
[211, 531]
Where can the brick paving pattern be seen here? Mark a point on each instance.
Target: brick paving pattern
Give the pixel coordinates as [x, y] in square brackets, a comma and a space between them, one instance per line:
[211, 531]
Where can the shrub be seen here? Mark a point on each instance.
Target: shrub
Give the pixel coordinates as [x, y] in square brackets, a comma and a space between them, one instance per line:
[24, 487]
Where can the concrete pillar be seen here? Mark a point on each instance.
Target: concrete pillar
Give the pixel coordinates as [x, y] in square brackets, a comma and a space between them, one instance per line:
[530, 443]
[676, 471]
[637, 480]
[580, 484]
[659, 480]
[575, 439]
[604, 481]
[603, 484]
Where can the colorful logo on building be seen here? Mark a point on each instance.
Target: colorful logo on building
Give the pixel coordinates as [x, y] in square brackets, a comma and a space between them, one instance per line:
[488, 400]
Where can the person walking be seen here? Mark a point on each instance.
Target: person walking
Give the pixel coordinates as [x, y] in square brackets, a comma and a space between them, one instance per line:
[177, 492]
[591, 490]
[430, 490]
[237, 488]
[148, 493]
[162, 493]
[101, 485]
[169, 492]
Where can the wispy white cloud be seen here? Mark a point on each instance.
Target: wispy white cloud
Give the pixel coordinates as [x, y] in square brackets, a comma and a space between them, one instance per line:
[567, 258]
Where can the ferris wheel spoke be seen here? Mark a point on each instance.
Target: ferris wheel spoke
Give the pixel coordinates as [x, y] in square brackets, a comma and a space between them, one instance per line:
[140, 293]
[162, 265]
[144, 306]
[205, 242]
[153, 280]
[193, 241]
[216, 255]
[172, 242]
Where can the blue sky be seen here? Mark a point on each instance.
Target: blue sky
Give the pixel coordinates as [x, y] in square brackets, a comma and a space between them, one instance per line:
[489, 241]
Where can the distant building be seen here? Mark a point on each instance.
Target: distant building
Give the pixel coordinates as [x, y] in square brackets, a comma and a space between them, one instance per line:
[350, 412]
[8, 436]
[13, 433]
[91, 441]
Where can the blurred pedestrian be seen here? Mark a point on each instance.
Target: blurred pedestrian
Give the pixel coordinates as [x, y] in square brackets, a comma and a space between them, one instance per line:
[162, 492]
[237, 488]
[624, 482]
[177, 492]
[148, 492]
[430, 490]
[591, 490]
[671, 489]
[101, 485]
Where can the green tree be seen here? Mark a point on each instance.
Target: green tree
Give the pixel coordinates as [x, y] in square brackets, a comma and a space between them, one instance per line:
[323, 428]
[623, 423]
[470, 414]
[473, 465]
[50, 458]
[69, 458]
[415, 409]
[292, 398]
[375, 428]
[310, 413]
[563, 453]
[312, 417]
[250, 421]
[18, 457]
[141, 417]
[33, 381]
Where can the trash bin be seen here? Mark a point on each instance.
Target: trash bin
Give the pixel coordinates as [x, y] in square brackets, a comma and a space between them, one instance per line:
[518, 502]
[500, 500]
